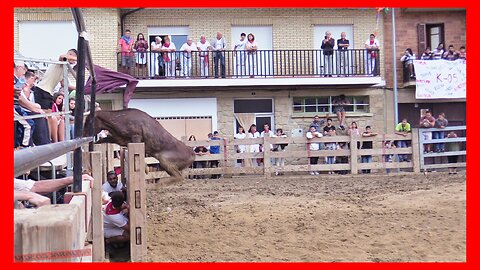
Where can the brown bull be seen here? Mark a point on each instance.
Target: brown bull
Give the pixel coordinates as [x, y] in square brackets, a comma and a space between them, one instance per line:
[135, 126]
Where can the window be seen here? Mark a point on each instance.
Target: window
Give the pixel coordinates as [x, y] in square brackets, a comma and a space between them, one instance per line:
[435, 35]
[325, 104]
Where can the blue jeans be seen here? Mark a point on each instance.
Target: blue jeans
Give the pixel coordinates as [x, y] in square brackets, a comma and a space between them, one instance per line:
[366, 159]
[438, 146]
[219, 56]
[402, 144]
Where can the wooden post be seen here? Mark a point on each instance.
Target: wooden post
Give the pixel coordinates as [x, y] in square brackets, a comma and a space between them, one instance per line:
[123, 165]
[98, 250]
[101, 148]
[109, 156]
[416, 148]
[266, 157]
[353, 155]
[137, 201]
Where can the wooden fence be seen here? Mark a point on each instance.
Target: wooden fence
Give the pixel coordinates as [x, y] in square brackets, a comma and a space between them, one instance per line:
[297, 156]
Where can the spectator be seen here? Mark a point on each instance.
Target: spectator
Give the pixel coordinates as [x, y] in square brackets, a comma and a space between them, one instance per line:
[141, 48]
[23, 132]
[240, 56]
[200, 151]
[330, 146]
[367, 145]
[251, 47]
[338, 103]
[438, 52]
[313, 146]
[186, 57]
[328, 127]
[279, 147]
[116, 227]
[427, 121]
[71, 117]
[240, 148]
[215, 149]
[112, 183]
[57, 131]
[343, 62]
[354, 131]
[125, 47]
[317, 122]
[254, 148]
[462, 54]
[389, 157]
[440, 122]
[451, 54]
[267, 132]
[219, 46]
[327, 46]
[342, 159]
[452, 147]
[156, 64]
[32, 191]
[427, 54]
[204, 47]
[372, 45]
[403, 128]
[168, 49]
[407, 59]
[43, 93]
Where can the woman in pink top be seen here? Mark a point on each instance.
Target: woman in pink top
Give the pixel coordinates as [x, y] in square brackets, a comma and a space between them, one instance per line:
[141, 47]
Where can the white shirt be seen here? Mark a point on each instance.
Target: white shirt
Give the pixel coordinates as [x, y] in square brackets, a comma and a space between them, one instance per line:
[188, 49]
[314, 146]
[112, 224]
[241, 148]
[241, 45]
[107, 188]
[219, 44]
[22, 185]
[52, 76]
[251, 45]
[155, 46]
[375, 43]
[203, 47]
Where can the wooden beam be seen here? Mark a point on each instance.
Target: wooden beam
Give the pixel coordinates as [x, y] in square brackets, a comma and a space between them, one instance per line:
[353, 155]
[98, 250]
[137, 201]
[416, 151]
[101, 148]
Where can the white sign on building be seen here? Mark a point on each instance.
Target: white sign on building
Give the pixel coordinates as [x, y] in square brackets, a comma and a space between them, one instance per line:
[440, 79]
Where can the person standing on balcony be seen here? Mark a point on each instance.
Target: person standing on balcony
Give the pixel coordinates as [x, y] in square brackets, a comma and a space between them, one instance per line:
[451, 54]
[156, 61]
[438, 52]
[342, 44]
[240, 56]
[462, 53]
[219, 46]
[407, 58]
[372, 45]
[427, 54]
[203, 47]
[186, 57]
[125, 47]
[252, 48]
[141, 47]
[168, 49]
[327, 46]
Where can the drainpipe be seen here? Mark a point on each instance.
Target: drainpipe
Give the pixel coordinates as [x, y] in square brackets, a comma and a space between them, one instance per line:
[394, 52]
[124, 16]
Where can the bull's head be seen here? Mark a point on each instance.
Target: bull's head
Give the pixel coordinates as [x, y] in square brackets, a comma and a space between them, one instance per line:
[88, 126]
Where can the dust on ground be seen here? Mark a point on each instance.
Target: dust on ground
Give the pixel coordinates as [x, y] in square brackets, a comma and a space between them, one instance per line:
[400, 218]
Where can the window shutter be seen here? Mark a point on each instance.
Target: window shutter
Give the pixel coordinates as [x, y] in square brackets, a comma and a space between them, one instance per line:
[422, 38]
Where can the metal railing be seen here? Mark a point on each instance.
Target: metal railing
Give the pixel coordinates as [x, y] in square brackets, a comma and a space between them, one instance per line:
[245, 64]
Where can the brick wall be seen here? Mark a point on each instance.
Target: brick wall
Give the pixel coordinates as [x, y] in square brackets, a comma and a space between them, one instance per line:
[407, 37]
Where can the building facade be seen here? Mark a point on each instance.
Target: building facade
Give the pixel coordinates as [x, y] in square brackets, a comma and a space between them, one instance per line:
[198, 106]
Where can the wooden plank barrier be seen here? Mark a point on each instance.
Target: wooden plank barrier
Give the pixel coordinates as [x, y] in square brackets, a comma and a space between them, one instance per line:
[98, 247]
[135, 172]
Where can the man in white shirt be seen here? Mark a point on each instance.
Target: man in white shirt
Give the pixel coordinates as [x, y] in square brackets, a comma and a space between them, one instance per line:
[186, 57]
[112, 183]
[203, 47]
[240, 56]
[372, 45]
[116, 227]
[219, 46]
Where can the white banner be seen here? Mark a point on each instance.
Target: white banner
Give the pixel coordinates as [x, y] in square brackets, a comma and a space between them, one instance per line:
[440, 79]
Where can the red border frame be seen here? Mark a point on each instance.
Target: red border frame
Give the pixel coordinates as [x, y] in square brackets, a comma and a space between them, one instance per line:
[6, 17]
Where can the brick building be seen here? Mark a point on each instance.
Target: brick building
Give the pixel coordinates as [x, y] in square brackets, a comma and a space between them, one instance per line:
[417, 28]
[194, 106]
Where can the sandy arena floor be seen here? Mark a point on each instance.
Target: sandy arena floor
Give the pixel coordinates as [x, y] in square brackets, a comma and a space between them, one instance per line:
[295, 218]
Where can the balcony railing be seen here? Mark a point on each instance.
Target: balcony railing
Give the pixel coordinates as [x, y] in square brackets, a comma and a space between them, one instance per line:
[243, 64]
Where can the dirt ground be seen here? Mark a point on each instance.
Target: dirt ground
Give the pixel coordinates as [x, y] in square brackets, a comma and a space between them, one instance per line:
[310, 218]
